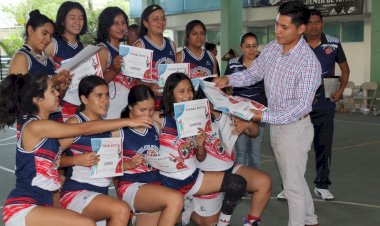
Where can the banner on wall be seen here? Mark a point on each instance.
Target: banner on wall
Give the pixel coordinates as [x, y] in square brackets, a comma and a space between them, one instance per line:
[327, 7]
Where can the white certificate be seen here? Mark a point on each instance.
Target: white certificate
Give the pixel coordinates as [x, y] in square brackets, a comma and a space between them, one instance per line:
[238, 106]
[330, 85]
[137, 62]
[90, 66]
[192, 115]
[225, 133]
[78, 59]
[165, 70]
[110, 163]
[166, 162]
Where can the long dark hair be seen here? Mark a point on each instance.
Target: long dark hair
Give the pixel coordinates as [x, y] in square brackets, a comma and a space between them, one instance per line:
[36, 20]
[189, 28]
[136, 94]
[144, 16]
[87, 85]
[63, 10]
[16, 96]
[105, 21]
[168, 95]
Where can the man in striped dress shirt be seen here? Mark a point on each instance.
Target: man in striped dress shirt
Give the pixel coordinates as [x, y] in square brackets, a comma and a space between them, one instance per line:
[291, 74]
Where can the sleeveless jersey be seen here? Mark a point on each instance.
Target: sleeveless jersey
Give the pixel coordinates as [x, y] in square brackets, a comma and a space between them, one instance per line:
[78, 177]
[184, 149]
[161, 55]
[36, 174]
[45, 66]
[119, 87]
[135, 142]
[64, 50]
[199, 67]
[217, 158]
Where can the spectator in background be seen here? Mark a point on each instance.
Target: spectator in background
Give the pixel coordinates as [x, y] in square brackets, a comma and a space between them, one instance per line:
[132, 34]
[248, 148]
[212, 48]
[329, 51]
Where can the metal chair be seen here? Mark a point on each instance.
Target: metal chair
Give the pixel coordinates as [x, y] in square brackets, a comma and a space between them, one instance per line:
[367, 94]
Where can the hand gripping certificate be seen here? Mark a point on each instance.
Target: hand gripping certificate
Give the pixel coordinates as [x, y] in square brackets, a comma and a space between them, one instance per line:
[166, 162]
[78, 59]
[88, 67]
[137, 62]
[238, 106]
[191, 115]
[165, 70]
[110, 162]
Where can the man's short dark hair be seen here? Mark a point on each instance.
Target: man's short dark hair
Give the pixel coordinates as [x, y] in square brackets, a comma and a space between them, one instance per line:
[315, 12]
[298, 11]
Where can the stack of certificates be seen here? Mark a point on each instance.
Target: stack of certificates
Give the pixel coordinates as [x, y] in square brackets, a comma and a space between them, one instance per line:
[235, 105]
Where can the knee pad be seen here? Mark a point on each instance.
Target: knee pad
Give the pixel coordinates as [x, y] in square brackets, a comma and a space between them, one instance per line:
[235, 187]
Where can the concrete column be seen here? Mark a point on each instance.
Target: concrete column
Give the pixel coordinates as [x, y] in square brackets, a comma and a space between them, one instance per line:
[375, 43]
[231, 26]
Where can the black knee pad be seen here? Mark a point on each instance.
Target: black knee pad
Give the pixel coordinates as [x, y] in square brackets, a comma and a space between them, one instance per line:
[235, 187]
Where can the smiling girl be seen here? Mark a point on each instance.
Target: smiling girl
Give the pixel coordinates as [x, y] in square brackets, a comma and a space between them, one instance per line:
[29, 99]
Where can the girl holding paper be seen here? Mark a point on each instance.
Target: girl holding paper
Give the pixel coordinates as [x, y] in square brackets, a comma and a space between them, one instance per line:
[112, 29]
[152, 27]
[202, 62]
[139, 186]
[220, 157]
[31, 58]
[80, 192]
[70, 23]
[29, 99]
[192, 181]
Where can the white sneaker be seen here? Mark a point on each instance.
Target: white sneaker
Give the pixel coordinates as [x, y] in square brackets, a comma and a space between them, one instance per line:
[323, 193]
[281, 195]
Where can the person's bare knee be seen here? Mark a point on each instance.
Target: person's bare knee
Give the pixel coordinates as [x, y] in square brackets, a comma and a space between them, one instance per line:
[121, 211]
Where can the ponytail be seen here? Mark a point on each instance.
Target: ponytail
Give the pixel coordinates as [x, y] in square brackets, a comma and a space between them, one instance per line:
[16, 96]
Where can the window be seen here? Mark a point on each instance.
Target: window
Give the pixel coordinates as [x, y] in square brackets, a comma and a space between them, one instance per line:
[353, 31]
[264, 34]
[332, 28]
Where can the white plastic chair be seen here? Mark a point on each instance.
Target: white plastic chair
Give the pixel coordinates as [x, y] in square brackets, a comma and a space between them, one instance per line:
[367, 95]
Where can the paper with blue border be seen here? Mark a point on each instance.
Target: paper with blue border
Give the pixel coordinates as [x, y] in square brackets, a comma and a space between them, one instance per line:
[110, 151]
[137, 62]
[191, 115]
[235, 105]
[165, 70]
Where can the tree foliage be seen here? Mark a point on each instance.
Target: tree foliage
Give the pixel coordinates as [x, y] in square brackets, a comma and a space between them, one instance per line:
[21, 11]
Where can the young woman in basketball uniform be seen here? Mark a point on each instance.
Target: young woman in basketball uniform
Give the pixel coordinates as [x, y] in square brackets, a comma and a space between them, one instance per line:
[152, 27]
[32, 57]
[206, 208]
[30, 98]
[70, 23]
[192, 181]
[202, 62]
[139, 186]
[112, 28]
[80, 192]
